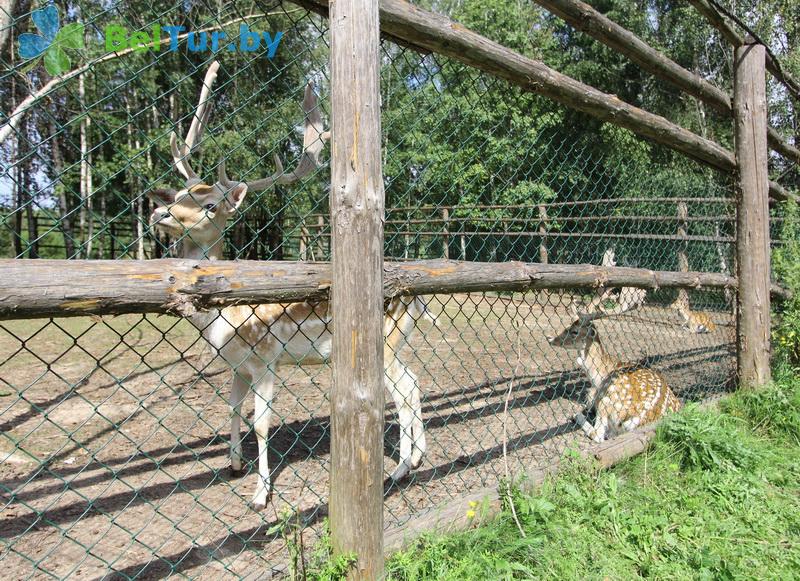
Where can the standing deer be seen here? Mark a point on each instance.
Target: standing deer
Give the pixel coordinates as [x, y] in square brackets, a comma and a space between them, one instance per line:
[695, 322]
[622, 396]
[255, 339]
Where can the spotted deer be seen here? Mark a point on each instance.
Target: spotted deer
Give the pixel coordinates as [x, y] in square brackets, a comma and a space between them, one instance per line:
[696, 322]
[254, 340]
[623, 396]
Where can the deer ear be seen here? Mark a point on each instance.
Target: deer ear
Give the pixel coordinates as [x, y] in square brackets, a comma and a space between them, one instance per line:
[162, 196]
[237, 195]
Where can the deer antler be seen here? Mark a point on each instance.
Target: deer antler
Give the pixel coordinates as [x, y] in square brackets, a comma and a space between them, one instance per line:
[181, 154]
[314, 138]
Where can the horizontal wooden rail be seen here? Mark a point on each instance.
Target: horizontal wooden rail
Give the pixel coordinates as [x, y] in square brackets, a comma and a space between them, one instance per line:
[586, 19]
[58, 288]
[428, 31]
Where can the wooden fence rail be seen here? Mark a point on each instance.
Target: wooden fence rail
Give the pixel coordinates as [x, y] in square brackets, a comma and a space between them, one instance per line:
[55, 288]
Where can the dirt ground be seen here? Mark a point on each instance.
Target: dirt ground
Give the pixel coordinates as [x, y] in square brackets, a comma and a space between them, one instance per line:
[113, 431]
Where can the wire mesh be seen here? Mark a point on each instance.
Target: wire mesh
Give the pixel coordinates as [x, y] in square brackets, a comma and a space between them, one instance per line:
[115, 430]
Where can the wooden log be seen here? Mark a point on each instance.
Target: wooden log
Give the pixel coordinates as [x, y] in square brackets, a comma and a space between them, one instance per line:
[721, 23]
[357, 214]
[428, 31]
[752, 248]
[57, 288]
[586, 19]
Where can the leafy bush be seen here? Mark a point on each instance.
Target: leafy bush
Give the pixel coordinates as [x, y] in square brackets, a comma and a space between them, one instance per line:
[706, 440]
[773, 411]
[786, 264]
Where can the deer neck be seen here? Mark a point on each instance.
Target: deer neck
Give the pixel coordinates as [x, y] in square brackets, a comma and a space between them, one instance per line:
[206, 321]
[597, 363]
[191, 250]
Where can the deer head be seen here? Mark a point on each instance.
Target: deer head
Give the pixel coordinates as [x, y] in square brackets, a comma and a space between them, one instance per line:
[582, 332]
[199, 212]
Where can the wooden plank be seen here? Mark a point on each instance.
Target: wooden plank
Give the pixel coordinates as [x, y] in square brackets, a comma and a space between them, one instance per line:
[752, 249]
[428, 31]
[357, 213]
[63, 288]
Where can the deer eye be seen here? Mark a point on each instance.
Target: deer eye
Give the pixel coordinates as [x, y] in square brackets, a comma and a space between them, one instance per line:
[210, 207]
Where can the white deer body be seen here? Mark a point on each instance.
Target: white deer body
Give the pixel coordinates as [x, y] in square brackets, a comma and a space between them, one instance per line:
[254, 340]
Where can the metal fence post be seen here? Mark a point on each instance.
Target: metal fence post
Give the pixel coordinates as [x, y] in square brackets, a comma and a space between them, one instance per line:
[357, 208]
[752, 239]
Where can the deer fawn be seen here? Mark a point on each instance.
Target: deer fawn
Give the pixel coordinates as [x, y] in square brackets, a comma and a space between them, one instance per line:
[255, 339]
[695, 322]
[623, 396]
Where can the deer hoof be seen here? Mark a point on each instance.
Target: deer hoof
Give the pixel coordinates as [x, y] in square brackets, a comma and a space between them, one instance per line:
[235, 472]
[401, 471]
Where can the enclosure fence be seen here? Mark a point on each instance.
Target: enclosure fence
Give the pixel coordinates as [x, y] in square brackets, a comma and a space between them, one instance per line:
[128, 370]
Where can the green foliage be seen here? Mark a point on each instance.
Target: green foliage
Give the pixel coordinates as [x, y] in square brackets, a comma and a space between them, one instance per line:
[786, 264]
[773, 412]
[712, 499]
[708, 441]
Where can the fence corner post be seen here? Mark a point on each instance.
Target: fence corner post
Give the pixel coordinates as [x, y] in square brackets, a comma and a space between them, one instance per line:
[752, 224]
[357, 214]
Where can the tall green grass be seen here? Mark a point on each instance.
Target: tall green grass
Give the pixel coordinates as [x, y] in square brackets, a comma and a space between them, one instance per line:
[716, 497]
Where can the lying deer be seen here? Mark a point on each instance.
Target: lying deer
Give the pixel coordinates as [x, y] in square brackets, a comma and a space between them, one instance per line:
[695, 322]
[255, 339]
[623, 396]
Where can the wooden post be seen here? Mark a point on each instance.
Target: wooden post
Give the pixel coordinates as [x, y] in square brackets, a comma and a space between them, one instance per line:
[303, 241]
[543, 258]
[357, 213]
[683, 257]
[321, 237]
[752, 239]
[446, 233]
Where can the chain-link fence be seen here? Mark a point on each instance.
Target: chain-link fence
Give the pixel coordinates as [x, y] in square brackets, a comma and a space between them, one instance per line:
[115, 430]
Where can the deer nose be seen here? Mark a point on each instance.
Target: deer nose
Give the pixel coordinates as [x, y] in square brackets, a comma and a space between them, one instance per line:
[159, 214]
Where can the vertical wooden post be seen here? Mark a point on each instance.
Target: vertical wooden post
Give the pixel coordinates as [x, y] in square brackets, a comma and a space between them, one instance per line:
[683, 257]
[543, 258]
[303, 241]
[321, 237]
[446, 232]
[357, 208]
[752, 232]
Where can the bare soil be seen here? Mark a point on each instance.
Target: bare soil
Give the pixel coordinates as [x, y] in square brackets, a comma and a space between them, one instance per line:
[113, 431]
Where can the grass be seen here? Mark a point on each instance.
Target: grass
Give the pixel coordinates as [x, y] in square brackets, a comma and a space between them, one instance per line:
[716, 497]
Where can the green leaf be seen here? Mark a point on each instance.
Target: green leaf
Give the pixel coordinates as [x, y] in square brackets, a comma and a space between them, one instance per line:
[56, 60]
[71, 36]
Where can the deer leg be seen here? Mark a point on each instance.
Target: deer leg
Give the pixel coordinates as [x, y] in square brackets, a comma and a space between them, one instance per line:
[417, 426]
[401, 384]
[239, 387]
[264, 388]
[596, 432]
